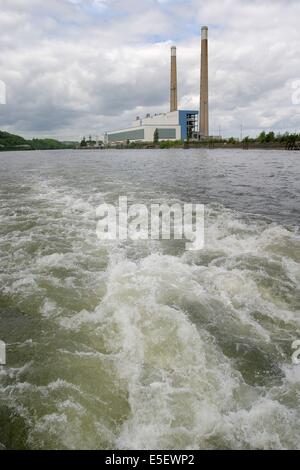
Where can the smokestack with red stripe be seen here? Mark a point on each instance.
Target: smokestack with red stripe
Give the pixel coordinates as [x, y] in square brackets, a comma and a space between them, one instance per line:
[173, 98]
[204, 119]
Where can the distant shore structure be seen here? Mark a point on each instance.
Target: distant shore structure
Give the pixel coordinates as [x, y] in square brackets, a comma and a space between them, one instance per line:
[177, 124]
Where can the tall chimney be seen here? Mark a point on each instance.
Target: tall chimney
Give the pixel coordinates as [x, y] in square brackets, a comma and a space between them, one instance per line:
[204, 121]
[173, 98]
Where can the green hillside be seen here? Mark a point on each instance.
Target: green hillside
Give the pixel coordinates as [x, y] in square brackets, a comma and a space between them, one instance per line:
[15, 142]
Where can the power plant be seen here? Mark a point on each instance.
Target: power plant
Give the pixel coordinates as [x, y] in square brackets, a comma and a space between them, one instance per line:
[177, 124]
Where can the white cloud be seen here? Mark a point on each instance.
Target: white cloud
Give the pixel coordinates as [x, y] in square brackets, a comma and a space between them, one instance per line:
[75, 67]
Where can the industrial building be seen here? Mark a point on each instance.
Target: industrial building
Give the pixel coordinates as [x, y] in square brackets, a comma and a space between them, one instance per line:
[176, 124]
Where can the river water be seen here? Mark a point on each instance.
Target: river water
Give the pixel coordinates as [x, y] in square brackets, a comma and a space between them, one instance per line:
[143, 345]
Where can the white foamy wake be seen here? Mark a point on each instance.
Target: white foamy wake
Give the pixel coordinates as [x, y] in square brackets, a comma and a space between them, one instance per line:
[172, 329]
[182, 390]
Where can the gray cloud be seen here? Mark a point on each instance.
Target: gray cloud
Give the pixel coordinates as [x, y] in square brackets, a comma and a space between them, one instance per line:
[75, 67]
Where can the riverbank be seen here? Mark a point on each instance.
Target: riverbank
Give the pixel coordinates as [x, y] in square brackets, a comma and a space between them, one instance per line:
[199, 145]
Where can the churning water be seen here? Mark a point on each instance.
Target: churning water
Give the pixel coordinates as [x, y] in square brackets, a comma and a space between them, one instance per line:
[144, 345]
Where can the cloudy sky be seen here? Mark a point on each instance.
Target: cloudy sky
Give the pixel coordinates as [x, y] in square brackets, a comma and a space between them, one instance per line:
[80, 67]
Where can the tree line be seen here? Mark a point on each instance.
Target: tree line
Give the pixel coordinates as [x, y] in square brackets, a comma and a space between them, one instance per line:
[15, 142]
